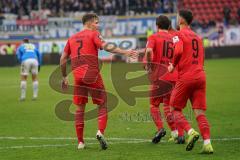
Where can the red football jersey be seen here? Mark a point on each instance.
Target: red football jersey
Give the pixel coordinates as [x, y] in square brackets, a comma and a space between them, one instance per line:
[83, 48]
[163, 52]
[190, 60]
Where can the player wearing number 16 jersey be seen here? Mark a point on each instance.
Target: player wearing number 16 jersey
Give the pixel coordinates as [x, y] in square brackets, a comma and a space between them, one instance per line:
[82, 48]
[159, 52]
[191, 84]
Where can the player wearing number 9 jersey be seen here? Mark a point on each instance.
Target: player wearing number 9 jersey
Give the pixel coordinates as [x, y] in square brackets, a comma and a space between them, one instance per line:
[189, 59]
[82, 48]
[159, 52]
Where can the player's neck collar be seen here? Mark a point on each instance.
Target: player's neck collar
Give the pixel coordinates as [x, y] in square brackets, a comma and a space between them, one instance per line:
[86, 28]
[161, 30]
[185, 27]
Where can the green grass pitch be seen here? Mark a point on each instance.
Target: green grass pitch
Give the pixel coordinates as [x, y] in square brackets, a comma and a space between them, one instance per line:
[128, 137]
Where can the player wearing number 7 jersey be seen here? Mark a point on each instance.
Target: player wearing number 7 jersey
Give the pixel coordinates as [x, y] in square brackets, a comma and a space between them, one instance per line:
[189, 59]
[82, 48]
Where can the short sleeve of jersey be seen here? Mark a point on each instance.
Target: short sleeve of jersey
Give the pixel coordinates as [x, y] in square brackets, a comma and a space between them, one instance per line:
[178, 43]
[67, 48]
[98, 39]
[151, 42]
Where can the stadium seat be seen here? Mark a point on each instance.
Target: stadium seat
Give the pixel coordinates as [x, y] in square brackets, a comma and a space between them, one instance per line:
[211, 9]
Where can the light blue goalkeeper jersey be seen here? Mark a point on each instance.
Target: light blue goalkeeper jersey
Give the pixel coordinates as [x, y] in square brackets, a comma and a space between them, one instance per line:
[28, 51]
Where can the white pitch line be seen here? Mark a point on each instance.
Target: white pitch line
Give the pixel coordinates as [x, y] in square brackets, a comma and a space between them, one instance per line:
[64, 145]
[67, 138]
[36, 146]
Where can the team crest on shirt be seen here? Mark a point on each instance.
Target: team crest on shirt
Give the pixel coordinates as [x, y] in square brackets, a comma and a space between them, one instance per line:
[175, 39]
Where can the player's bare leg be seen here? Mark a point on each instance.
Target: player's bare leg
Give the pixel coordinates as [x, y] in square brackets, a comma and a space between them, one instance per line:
[23, 86]
[79, 125]
[205, 131]
[102, 123]
[35, 86]
[182, 122]
[156, 116]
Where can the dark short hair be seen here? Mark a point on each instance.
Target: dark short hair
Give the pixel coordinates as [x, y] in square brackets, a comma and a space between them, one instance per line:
[89, 17]
[186, 15]
[26, 40]
[163, 22]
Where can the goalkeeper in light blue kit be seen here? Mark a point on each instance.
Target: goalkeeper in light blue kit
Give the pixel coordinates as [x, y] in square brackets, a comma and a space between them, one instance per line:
[30, 59]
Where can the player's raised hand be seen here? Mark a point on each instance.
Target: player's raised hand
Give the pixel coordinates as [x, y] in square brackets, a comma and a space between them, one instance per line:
[170, 68]
[64, 83]
[133, 54]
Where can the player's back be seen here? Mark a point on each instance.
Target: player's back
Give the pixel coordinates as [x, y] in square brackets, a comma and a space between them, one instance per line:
[163, 53]
[82, 43]
[192, 60]
[82, 48]
[27, 51]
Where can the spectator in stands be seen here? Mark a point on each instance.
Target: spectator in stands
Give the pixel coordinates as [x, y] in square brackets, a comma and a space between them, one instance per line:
[101, 7]
[1, 19]
[158, 7]
[238, 14]
[195, 24]
[227, 15]
[211, 23]
[168, 6]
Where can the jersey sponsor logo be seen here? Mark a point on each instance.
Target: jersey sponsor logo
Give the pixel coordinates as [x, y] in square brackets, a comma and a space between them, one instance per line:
[29, 47]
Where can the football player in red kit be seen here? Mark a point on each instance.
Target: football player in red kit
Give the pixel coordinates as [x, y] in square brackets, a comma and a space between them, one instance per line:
[180, 139]
[82, 48]
[191, 83]
[160, 51]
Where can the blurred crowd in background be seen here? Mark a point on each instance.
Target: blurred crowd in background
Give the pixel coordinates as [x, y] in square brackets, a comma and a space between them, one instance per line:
[56, 8]
[207, 13]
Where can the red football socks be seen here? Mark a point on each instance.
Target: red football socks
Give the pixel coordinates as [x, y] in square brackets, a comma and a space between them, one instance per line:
[79, 124]
[102, 118]
[156, 116]
[203, 126]
[169, 117]
[181, 121]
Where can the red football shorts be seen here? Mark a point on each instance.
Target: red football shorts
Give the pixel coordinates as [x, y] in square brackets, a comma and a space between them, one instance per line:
[156, 101]
[195, 90]
[94, 88]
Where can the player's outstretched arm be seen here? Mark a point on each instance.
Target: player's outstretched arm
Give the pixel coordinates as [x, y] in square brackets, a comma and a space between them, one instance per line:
[113, 49]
